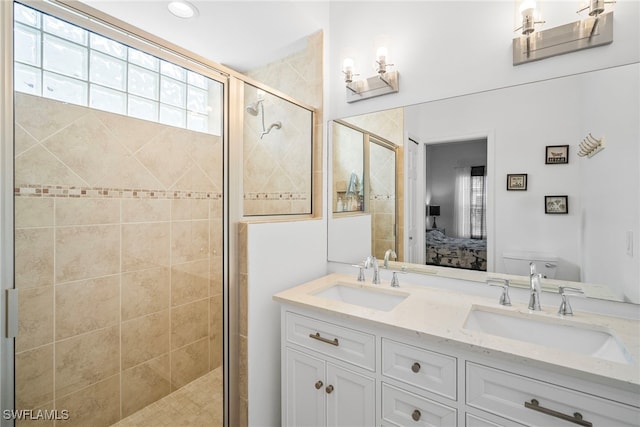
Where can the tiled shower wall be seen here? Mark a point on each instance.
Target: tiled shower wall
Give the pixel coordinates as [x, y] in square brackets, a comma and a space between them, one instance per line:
[118, 259]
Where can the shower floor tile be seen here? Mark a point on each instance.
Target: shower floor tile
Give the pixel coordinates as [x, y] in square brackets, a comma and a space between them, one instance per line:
[198, 404]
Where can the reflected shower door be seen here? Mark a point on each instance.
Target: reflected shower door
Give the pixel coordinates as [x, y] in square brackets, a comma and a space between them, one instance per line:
[382, 196]
[118, 226]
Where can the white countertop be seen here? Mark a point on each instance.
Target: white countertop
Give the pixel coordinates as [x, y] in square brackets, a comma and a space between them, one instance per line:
[442, 314]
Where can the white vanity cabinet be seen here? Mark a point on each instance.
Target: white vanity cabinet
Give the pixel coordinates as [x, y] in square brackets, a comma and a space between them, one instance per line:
[324, 374]
[338, 371]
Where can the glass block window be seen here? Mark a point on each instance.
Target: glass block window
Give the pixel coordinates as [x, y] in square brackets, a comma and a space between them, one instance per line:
[58, 60]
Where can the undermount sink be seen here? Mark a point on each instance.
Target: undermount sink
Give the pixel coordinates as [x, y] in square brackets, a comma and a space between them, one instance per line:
[382, 299]
[562, 335]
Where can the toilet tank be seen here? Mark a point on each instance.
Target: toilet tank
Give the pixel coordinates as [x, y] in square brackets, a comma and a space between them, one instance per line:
[518, 263]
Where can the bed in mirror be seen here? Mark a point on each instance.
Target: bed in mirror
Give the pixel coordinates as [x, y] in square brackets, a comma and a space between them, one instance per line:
[483, 183]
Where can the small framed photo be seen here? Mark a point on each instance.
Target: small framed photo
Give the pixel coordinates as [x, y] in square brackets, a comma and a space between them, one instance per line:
[556, 154]
[517, 181]
[556, 204]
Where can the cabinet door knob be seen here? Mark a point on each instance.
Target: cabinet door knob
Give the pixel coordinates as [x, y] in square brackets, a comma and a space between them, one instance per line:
[416, 415]
[329, 389]
[318, 385]
[415, 367]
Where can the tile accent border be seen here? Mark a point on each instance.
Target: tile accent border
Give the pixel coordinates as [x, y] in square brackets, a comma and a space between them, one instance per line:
[276, 196]
[101, 192]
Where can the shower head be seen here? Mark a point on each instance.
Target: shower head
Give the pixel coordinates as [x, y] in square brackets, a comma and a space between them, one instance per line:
[253, 107]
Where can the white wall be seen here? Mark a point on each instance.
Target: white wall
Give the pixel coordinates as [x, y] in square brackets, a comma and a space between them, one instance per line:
[281, 255]
[447, 48]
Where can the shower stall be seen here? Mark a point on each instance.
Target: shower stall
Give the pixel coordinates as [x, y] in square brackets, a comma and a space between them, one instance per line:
[119, 213]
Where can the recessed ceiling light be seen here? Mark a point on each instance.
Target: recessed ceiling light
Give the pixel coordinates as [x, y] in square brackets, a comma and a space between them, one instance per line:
[182, 9]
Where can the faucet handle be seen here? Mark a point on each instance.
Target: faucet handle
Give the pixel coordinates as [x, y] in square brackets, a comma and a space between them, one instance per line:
[565, 306]
[395, 283]
[504, 284]
[360, 272]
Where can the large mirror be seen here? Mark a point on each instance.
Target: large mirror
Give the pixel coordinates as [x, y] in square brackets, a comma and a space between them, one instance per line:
[507, 172]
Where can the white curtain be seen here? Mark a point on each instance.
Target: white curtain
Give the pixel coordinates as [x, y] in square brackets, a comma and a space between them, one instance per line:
[462, 203]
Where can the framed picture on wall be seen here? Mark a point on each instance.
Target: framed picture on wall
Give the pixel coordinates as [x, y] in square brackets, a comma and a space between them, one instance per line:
[556, 204]
[517, 182]
[556, 154]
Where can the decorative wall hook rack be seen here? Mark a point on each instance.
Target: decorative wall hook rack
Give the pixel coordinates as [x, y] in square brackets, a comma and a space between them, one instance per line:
[590, 146]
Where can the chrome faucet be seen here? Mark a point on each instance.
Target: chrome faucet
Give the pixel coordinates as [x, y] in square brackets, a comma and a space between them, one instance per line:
[565, 307]
[504, 284]
[389, 253]
[534, 286]
[372, 261]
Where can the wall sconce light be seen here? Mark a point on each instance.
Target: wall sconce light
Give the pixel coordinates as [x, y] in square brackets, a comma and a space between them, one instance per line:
[528, 11]
[596, 30]
[385, 82]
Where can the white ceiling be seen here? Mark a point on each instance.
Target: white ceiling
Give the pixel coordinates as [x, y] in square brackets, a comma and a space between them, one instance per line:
[241, 35]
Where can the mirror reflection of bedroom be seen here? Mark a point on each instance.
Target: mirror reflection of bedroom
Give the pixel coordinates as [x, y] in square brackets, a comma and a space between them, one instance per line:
[456, 198]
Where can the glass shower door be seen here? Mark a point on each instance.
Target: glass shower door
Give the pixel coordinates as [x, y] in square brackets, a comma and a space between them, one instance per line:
[118, 229]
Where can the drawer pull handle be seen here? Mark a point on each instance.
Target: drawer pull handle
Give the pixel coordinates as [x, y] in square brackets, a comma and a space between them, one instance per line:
[318, 385]
[325, 340]
[416, 415]
[415, 367]
[329, 389]
[576, 418]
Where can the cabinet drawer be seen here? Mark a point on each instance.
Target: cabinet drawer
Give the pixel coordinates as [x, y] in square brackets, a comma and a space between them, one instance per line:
[421, 368]
[336, 341]
[504, 394]
[473, 420]
[403, 408]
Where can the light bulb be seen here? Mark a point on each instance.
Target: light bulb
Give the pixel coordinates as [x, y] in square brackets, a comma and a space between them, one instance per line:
[347, 65]
[381, 54]
[527, 7]
[182, 9]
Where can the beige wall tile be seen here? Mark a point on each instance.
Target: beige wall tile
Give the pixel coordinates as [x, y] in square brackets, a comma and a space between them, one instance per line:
[206, 152]
[87, 305]
[243, 303]
[97, 405]
[23, 140]
[34, 377]
[35, 323]
[85, 211]
[184, 209]
[215, 331]
[33, 212]
[216, 239]
[133, 133]
[87, 251]
[34, 257]
[243, 368]
[43, 117]
[145, 338]
[86, 359]
[215, 275]
[189, 363]
[36, 422]
[88, 148]
[39, 166]
[145, 210]
[189, 241]
[189, 323]
[166, 156]
[145, 292]
[144, 384]
[145, 245]
[189, 282]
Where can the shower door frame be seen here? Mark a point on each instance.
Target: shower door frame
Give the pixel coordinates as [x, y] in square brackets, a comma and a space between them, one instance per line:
[110, 27]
